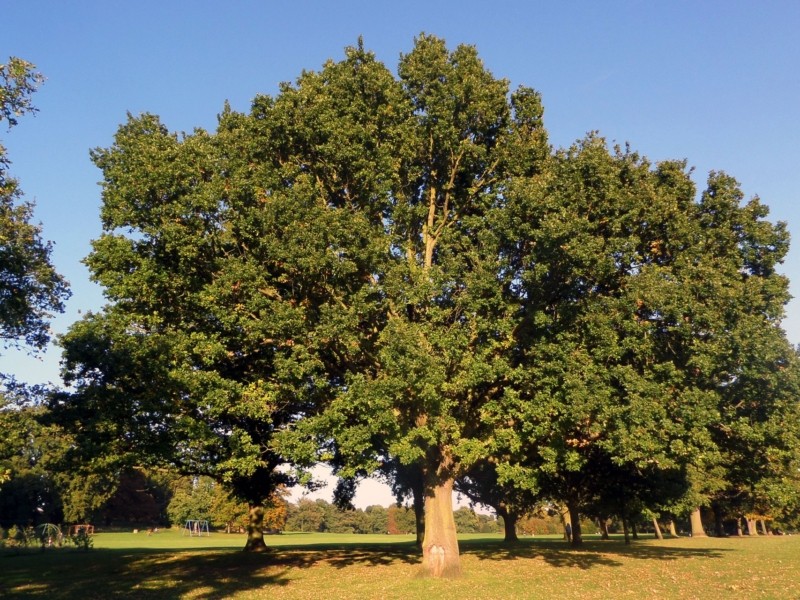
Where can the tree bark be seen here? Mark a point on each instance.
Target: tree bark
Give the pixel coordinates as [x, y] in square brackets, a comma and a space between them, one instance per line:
[739, 531]
[751, 527]
[575, 521]
[440, 557]
[672, 531]
[697, 523]
[418, 491]
[604, 529]
[509, 526]
[566, 521]
[764, 527]
[657, 529]
[255, 530]
[625, 531]
[634, 531]
[719, 526]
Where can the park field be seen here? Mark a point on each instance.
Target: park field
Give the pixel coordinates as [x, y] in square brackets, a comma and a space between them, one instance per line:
[327, 566]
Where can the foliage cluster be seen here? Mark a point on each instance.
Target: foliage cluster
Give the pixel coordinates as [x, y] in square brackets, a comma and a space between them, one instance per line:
[30, 289]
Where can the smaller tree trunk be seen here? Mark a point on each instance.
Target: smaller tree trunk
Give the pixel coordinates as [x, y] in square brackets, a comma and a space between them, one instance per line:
[739, 531]
[625, 531]
[575, 522]
[566, 521]
[719, 526]
[604, 529]
[764, 527]
[697, 523]
[634, 531]
[657, 529]
[672, 531]
[255, 530]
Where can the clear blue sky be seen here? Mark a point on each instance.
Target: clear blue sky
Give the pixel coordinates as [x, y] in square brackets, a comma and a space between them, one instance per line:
[717, 83]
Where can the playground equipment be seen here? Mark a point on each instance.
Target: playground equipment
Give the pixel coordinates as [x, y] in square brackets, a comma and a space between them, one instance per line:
[49, 534]
[196, 527]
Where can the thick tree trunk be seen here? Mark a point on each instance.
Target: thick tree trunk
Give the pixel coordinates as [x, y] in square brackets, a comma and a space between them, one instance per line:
[575, 522]
[697, 523]
[657, 529]
[255, 530]
[672, 531]
[751, 527]
[509, 526]
[625, 531]
[440, 557]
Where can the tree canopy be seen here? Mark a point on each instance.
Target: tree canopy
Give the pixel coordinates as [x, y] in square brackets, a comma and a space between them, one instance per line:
[30, 288]
[398, 274]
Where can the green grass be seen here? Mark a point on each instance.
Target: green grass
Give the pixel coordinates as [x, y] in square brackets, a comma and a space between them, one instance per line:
[168, 565]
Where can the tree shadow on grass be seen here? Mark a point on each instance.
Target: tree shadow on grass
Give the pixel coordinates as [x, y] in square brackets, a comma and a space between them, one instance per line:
[345, 555]
[203, 574]
[591, 554]
[140, 574]
[220, 573]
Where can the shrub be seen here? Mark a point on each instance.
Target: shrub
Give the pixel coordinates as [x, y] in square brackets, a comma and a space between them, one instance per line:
[82, 540]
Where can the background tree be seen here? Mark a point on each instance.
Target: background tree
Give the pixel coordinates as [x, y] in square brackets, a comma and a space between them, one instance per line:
[626, 305]
[240, 292]
[30, 288]
[30, 453]
[481, 484]
[30, 291]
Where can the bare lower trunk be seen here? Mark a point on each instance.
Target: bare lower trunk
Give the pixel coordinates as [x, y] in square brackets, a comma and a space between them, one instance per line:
[739, 531]
[255, 530]
[764, 527]
[672, 531]
[575, 521]
[440, 557]
[751, 527]
[625, 531]
[419, 512]
[509, 526]
[634, 531]
[697, 523]
[567, 522]
[719, 526]
[657, 529]
[604, 529]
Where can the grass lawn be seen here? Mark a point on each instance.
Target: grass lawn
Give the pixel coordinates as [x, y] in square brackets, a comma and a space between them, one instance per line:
[325, 566]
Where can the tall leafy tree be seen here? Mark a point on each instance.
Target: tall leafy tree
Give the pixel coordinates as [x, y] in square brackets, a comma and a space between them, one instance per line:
[439, 356]
[631, 294]
[753, 368]
[240, 272]
[605, 251]
[30, 289]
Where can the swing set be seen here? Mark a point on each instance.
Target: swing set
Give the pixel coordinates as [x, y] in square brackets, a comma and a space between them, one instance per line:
[196, 528]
